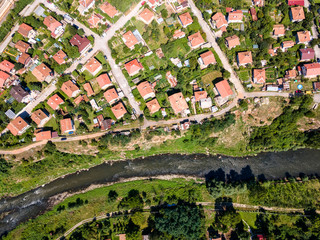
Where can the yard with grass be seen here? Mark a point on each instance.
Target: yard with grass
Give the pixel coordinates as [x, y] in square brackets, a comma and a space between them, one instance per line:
[210, 77]
[271, 75]
[244, 75]
[307, 86]
[123, 5]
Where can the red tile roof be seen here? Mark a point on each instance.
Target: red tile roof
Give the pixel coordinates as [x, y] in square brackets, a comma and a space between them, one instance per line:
[69, 88]
[51, 23]
[6, 66]
[104, 80]
[224, 88]
[38, 115]
[22, 46]
[60, 57]
[196, 39]
[144, 89]
[3, 77]
[306, 54]
[133, 67]
[41, 72]
[297, 13]
[178, 103]
[24, 58]
[24, 29]
[259, 76]
[80, 42]
[109, 9]
[279, 29]
[153, 106]
[304, 37]
[111, 95]
[94, 20]
[233, 41]
[245, 58]
[219, 19]
[93, 65]
[146, 15]
[235, 16]
[129, 39]
[178, 34]
[253, 13]
[55, 101]
[85, 3]
[17, 125]
[311, 69]
[66, 125]
[87, 87]
[198, 95]
[186, 19]
[208, 58]
[43, 135]
[119, 110]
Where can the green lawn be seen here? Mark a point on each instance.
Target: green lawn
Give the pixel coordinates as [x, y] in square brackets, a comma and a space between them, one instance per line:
[270, 75]
[244, 75]
[52, 123]
[249, 218]
[100, 58]
[153, 60]
[307, 86]
[123, 5]
[210, 77]
[29, 77]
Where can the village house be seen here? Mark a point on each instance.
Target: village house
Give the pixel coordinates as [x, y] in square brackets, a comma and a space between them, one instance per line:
[218, 21]
[244, 58]
[85, 5]
[111, 95]
[279, 30]
[316, 86]
[67, 126]
[259, 76]
[171, 79]
[24, 59]
[146, 16]
[55, 27]
[224, 89]
[290, 74]
[178, 34]
[43, 135]
[18, 93]
[108, 9]
[306, 54]
[310, 70]
[206, 59]
[185, 19]
[206, 103]
[54, 101]
[179, 104]
[7, 66]
[153, 106]
[104, 81]
[3, 78]
[195, 40]
[133, 67]
[130, 40]
[93, 66]
[296, 3]
[258, 3]
[26, 31]
[145, 89]
[18, 126]
[297, 14]
[22, 46]
[287, 44]
[232, 41]
[253, 13]
[119, 110]
[235, 17]
[82, 43]
[87, 87]
[303, 37]
[42, 72]
[94, 20]
[198, 95]
[154, 3]
[39, 117]
[60, 57]
[70, 89]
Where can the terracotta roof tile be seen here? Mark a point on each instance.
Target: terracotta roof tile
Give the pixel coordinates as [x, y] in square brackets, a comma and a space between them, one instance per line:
[224, 89]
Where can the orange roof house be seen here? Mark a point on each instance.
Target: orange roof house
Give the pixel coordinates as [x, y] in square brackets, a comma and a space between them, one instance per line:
[218, 20]
[224, 88]
[146, 16]
[54, 26]
[85, 5]
[18, 126]
[26, 31]
[303, 37]
[287, 44]
[279, 30]
[39, 117]
[235, 16]
[232, 41]
[130, 40]
[206, 59]
[198, 95]
[22, 46]
[133, 67]
[244, 58]
[24, 59]
[93, 66]
[153, 106]
[297, 14]
[104, 81]
[171, 79]
[179, 34]
[55, 101]
[291, 74]
[311, 70]
[119, 110]
[66, 125]
[185, 19]
[42, 72]
[178, 103]
[110, 10]
[43, 135]
[6, 66]
[145, 89]
[196, 40]
[111, 95]
[3, 77]
[259, 76]
[94, 20]
[70, 89]
[87, 87]
[60, 57]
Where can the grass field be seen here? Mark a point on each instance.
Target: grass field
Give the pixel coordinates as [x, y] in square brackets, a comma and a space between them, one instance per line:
[244, 75]
[123, 5]
[270, 75]
[210, 77]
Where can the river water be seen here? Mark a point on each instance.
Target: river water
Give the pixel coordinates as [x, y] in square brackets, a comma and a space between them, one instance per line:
[271, 165]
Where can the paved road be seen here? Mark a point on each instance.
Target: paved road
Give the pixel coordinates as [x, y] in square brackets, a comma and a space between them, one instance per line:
[212, 40]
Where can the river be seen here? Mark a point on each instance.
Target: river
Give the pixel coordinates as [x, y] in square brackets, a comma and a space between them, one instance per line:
[271, 165]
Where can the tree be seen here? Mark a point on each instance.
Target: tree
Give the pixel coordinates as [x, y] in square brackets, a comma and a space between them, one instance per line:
[226, 74]
[182, 221]
[4, 166]
[164, 13]
[132, 201]
[112, 196]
